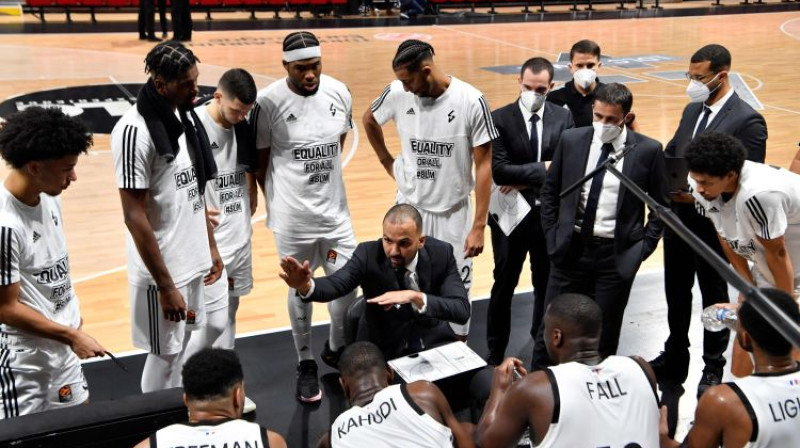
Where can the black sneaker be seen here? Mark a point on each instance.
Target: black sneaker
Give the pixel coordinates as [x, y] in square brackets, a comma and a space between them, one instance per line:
[711, 377]
[308, 390]
[331, 357]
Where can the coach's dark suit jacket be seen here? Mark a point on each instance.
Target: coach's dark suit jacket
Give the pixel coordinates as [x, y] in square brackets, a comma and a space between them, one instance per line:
[372, 270]
[512, 159]
[633, 239]
[736, 118]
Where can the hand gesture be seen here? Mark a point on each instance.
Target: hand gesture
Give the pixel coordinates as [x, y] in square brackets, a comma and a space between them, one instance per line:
[296, 275]
[504, 374]
[392, 298]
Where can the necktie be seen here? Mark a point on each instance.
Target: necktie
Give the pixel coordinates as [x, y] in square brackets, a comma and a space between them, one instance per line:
[534, 138]
[703, 121]
[400, 273]
[589, 213]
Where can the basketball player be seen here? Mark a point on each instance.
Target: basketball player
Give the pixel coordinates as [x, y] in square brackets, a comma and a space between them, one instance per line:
[231, 197]
[754, 208]
[301, 123]
[444, 124]
[213, 390]
[171, 245]
[584, 400]
[384, 415]
[41, 339]
[760, 410]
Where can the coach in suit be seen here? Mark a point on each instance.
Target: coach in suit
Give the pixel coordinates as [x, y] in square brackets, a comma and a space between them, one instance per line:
[597, 236]
[528, 129]
[410, 282]
[715, 106]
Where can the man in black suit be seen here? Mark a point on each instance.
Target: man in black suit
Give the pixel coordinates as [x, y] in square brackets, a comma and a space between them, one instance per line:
[578, 93]
[529, 130]
[596, 236]
[410, 282]
[715, 106]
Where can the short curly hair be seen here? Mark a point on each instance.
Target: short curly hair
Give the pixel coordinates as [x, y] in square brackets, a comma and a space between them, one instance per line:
[715, 154]
[211, 373]
[38, 133]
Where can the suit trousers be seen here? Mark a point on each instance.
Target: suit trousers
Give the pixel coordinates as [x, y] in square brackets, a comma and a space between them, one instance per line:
[181, 20]
[681, 264]
[147, 19]
[510, 252]
[590, 268]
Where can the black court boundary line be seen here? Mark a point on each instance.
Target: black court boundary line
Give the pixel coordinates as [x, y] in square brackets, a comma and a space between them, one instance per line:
[444, 18]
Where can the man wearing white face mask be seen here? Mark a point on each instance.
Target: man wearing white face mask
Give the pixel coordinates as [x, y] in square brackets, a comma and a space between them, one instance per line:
[577, 95]
[528, 129]
[596, 236]
[714, 106]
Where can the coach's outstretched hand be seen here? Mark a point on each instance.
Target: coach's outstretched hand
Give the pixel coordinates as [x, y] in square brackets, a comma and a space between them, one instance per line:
[296, 275]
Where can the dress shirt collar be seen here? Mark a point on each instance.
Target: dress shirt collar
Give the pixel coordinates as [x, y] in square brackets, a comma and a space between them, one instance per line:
[716, 107]
[412, 266]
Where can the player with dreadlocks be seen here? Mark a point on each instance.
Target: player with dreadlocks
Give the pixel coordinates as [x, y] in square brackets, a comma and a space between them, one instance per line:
[162, 162]
[40, 319]
[301, 122]
[445, 125]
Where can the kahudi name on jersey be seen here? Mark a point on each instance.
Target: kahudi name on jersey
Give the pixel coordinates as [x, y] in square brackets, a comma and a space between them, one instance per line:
[376, 417]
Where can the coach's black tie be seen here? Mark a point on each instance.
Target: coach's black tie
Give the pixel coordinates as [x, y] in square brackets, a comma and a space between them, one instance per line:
[589, 213]
[400, 273]
[703, 121]
[534, 138]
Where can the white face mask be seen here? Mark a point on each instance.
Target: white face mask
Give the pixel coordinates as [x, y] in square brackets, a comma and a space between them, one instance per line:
[606, 132]
[699, 92]
[531, 100]
[584, 77]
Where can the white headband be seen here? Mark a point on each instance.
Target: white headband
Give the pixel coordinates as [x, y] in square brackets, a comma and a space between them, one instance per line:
[302, 53]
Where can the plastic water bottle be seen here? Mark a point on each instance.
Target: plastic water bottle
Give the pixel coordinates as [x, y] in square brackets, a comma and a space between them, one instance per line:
[718, 319]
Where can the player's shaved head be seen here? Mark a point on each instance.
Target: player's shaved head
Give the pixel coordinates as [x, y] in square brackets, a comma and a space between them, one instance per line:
[402, 213]
[577, 312]
[361, 359]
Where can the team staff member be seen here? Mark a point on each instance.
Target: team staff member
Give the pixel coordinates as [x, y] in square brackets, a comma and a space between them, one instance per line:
[384, 415]
[171, 245]
[587, 399]
[761, 409]
[578, 94]
[716, 107]
[301, 123]
[41, 339]
[444, 124]
[597, 236]
[528, 129]
[213, 390]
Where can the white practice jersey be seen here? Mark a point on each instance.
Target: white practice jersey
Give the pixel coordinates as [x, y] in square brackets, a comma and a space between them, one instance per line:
[304, 186]
[434, 169]
[392, 419]
[230, 433]
[773, 402]
[228, 192]
[611, 404]
[33, 253]
[766, 205]
[175, 208]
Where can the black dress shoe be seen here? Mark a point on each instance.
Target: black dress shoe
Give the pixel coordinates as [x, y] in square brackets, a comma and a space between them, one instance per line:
[153, 39]
[712, 376]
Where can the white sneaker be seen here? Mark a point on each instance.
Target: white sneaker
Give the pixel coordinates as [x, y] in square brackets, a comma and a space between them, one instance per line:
[249, 405]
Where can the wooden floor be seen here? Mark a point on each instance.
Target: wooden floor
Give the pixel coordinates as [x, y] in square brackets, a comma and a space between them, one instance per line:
[361, 58]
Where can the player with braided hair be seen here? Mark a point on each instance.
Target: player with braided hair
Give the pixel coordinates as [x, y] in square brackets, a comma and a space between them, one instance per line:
[445, 125]
[171, 246]
[301, 123]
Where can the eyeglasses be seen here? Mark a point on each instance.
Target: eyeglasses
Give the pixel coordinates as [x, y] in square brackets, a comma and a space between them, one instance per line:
[699, 77]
